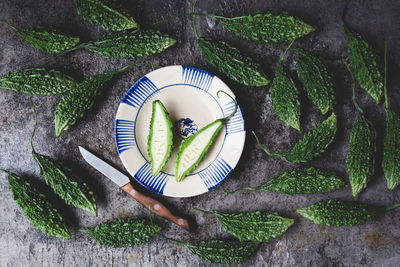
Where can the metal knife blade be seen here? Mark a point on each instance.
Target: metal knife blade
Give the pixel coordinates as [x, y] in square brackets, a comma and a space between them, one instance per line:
[106, 169]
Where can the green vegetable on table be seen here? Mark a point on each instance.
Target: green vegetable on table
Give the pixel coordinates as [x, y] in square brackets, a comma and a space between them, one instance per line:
[67, 185]
[391, 147]
[109, 14]
[129, 44]
[49, 41]
[340, 213]
[285, 96]
[311, 146]
[195, 147]
[230, 61]
[37, 81]
[81, 98]
[360, 158]
[36, 207]
[265, 27]
[122, 232]
[316, 79]
[365, 64]
[301, 180]
[160, 138]
[257, 226]
[226, 252]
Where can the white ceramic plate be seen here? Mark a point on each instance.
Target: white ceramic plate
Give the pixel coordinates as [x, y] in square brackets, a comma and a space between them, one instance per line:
[189, 95]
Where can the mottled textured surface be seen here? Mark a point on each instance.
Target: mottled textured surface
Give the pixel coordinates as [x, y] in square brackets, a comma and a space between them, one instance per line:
[305, 244]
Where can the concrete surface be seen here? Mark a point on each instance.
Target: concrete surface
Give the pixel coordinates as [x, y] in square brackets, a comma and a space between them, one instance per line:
[305, 244]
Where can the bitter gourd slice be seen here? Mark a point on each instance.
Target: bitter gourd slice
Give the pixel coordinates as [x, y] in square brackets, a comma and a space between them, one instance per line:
[160, 137]
[311, 146]
[301, 180]
[195, 147]
[340, 213]
[36, 207]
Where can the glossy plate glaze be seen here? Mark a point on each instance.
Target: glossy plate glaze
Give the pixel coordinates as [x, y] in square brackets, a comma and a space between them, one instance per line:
[189, 95]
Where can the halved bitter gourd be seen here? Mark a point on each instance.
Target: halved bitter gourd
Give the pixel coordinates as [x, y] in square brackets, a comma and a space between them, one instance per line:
[160, 137]
[195, 147]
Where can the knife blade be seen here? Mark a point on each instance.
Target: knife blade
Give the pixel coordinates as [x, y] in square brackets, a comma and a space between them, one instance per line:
[123, 182]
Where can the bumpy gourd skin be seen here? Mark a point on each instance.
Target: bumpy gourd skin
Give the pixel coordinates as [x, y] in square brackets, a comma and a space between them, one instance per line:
[65, 183]
[230, 61]
[391, 150]
[36, 207]
[125, 44]
[312, 145]
[108, 14]
[37, 81]
[123, 232]
[339, 213]
[285, 98]
[258, 226]
[301, 181]
[364, 63]
[222, 251]
[360, 158]
[49, 41]
[317, 81]
[76, 102]
[266, 27]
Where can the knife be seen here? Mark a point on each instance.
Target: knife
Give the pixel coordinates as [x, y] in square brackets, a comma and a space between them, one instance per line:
[123, 182]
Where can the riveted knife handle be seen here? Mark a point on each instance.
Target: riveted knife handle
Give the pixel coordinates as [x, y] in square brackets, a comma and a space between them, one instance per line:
[155, 206]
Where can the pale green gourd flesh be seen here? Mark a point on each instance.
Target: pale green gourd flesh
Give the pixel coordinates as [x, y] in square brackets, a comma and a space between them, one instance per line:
[160, 137]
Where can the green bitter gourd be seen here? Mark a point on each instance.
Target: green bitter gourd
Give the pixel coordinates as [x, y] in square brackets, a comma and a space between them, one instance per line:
[63, 181]
[109, 14]
[123, 232]
[257, 226]
[301, 180]
[339, 213]
[37, 81]
[311, 146]
[36, 207]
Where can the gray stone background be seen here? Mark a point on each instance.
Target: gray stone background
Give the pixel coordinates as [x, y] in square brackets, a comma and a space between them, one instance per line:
[375, 243]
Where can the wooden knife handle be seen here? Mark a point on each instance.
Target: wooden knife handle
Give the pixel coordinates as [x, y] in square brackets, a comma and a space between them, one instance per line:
[155, 206]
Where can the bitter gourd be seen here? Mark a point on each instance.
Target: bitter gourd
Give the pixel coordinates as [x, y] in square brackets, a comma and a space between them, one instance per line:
[37, 81]
[360, 158]
[109, 14]
[63, 181]
[123, 232]
[257, 226]
[195, 147]
[50, 41]
[126, 44]
[226, 252]
[285, 98]
[230, 61]
[81, 98]
[391, 151]
[311, 146]
[339, 213]
[36, 207]
[160, 137]
[301, 180]
[316, 79]
[365, 64]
